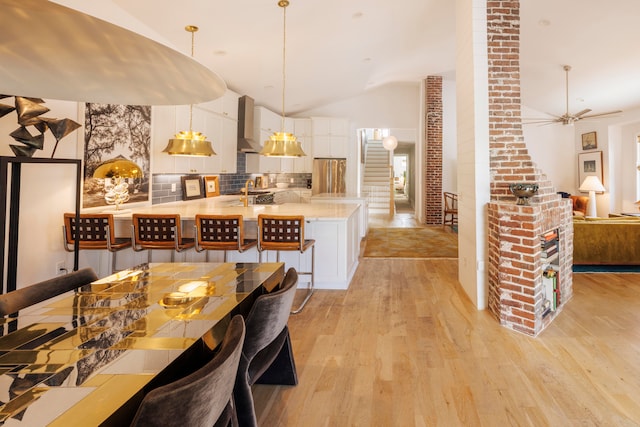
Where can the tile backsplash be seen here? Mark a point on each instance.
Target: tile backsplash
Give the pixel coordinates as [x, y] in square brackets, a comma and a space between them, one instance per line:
[162, 184]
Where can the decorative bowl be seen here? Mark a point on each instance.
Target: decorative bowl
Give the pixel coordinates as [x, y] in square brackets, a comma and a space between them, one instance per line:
[523, 191]
[282, 185]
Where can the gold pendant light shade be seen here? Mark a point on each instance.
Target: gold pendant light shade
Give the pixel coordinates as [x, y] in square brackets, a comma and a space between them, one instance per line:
[283, 144]
[190, 143]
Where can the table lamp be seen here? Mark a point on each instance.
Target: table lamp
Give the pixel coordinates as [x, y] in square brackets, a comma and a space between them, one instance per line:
[117, 188]
[592, 184]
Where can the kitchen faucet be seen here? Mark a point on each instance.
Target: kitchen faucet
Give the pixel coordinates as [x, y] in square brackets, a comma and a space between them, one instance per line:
[245, 198]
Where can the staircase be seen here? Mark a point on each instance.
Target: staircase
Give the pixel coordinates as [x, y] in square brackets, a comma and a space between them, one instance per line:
[376, 177]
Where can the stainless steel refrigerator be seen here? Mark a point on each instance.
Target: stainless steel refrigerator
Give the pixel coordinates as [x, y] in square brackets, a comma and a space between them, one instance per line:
[329, 176]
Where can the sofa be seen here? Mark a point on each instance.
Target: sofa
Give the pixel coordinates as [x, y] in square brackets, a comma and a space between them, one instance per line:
[606, 241]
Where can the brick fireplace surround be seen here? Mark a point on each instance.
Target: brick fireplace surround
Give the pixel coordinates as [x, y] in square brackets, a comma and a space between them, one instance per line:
[515, 267]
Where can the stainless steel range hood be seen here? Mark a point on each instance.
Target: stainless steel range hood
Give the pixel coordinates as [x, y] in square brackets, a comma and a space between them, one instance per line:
[246, 143]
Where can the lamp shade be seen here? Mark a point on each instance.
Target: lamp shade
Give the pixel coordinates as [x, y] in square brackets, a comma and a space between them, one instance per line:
[189, 143]
[592, 183]
[52, 51]
[390, 142]
[282, 144]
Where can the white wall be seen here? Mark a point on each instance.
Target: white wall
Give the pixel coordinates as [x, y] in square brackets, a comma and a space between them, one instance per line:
[389, 106]
[47, 192]
[552, 149]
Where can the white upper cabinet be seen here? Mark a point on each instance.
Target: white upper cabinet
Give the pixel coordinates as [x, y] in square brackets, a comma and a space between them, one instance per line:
[267, 120]
[330, 137]
[226, 105]
[302, 130]
[216, 119]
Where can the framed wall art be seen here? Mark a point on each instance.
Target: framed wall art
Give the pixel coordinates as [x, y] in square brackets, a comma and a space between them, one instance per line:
[589, 141]
[116, 132]
[211, 187]
[192, 187]
[589, 164]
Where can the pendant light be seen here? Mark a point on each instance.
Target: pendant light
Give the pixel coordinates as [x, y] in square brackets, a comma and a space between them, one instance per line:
[189, 143]
[283, 144]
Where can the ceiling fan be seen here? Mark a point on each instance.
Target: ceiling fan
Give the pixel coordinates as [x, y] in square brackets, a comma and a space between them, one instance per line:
[568, 118]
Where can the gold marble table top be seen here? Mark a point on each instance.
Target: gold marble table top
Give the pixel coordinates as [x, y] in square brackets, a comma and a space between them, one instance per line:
[78, 358]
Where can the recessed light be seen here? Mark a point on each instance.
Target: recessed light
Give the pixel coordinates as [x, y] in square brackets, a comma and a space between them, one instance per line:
[544, 22]
[220, 52]
[357, 15]
[366, 60]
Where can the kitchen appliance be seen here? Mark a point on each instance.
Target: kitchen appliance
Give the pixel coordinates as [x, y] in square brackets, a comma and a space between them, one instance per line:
[329, 176]
[246, 143]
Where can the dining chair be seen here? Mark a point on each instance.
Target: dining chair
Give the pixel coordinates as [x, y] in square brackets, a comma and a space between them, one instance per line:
[267, 344]
[14, 301]
[286, 233]
[159, 231]
[203, 398]
[94, 231]
[222, 233]
[450, 216]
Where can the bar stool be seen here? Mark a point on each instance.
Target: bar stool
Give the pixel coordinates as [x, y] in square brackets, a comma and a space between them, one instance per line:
[286, 233]
[150, 231]
[221, 233]
[94, 231]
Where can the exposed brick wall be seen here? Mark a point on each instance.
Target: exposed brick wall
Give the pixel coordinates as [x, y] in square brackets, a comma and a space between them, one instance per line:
[516, 292]
[433, 150]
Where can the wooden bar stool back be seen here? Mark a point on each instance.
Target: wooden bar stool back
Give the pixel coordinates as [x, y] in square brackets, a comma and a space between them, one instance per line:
[450, 216]
[94, 231]
[221, 233]
[286, 233]
[150, 232]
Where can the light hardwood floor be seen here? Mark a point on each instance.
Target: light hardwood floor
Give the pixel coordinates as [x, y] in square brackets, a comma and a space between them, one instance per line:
[405, 347]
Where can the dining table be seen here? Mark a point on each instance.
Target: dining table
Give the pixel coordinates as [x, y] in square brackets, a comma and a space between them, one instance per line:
[87, 357]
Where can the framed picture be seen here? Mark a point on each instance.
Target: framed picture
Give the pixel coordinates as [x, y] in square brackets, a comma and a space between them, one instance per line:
[211, 187]
[589, 141]
[192, 187]
[589, 164]
[115, 132]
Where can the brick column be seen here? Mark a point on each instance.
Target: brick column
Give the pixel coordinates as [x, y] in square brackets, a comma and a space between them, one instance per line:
[515, 265]
[433, 151]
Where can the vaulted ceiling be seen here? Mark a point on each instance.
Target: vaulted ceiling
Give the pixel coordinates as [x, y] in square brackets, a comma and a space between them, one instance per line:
[338, 49]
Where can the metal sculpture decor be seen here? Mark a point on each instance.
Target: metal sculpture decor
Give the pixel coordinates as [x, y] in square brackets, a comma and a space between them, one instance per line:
[29, 112]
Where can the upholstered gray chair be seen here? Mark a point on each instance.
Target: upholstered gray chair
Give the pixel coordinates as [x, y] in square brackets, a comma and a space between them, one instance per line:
[14, 301]
[203, 398]
[267, 345]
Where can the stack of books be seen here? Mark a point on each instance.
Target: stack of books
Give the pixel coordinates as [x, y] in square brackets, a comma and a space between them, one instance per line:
[549, 244]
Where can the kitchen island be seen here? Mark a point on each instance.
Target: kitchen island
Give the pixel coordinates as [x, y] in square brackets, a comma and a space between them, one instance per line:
[334, 226]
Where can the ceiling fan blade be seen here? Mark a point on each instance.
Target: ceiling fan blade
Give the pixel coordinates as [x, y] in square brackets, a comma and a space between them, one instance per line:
[538, 121]
[580, 113]
[601, 114]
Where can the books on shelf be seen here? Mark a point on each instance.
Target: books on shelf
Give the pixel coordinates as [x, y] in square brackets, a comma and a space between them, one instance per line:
[550, 283]
[549, 246]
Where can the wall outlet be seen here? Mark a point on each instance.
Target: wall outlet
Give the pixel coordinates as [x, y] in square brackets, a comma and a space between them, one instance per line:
[60, 268]
[173, 187]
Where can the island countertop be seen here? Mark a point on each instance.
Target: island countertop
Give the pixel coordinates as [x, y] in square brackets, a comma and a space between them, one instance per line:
[189, 208]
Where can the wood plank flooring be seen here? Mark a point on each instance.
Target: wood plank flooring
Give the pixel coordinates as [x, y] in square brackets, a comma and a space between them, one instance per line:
[405, 347]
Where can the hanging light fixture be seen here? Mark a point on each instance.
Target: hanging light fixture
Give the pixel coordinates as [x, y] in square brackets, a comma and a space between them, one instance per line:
[283, 144]
[189, 143]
